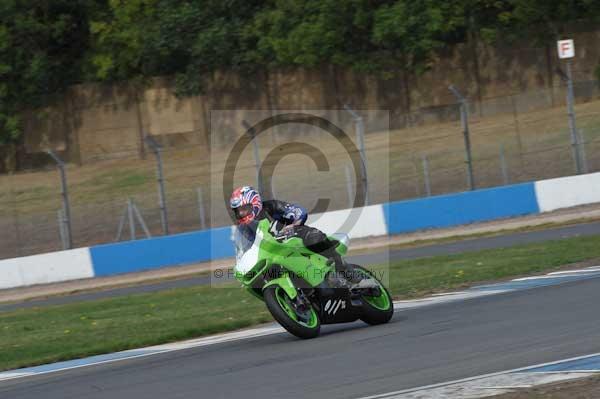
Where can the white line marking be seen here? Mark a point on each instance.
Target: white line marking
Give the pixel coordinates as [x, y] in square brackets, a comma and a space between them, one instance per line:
[588, 270]
[9, 375]
[537, 278]
[403, 305]
[567, 273]
[449, 293]
[507, 387]
[568, 371]
[153, 350]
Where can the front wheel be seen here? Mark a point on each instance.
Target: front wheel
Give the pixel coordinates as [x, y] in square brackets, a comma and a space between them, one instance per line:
[376, 309]
[302, 325]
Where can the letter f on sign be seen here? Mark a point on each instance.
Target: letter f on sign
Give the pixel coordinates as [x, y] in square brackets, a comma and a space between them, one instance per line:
[566, 49]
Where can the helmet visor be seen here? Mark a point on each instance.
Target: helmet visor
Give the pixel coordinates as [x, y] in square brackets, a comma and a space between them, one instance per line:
[243, 211]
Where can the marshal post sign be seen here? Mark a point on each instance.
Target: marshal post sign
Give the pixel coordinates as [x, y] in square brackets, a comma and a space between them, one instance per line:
[566, 49]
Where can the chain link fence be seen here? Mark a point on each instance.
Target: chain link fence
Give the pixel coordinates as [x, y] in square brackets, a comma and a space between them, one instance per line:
[514, 139]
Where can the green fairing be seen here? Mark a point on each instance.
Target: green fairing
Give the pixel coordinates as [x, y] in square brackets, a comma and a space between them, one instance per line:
[285, 283]
[291, 254]
[283, 272]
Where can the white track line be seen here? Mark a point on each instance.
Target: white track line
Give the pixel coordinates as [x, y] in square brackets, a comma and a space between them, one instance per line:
[144, 352]
[580, 274]
[588, 270]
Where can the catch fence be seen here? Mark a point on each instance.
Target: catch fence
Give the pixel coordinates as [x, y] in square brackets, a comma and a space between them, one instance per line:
[517, 138]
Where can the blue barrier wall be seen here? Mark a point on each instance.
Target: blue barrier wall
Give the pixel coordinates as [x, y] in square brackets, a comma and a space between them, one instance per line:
[152, 253]
[401, 217]
[461, 208]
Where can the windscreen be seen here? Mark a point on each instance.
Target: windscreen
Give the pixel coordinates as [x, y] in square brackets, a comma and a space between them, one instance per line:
[244, 237]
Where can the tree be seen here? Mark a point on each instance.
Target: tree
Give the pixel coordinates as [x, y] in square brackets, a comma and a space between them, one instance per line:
[42, 44]
[410, 32]
[147, 38]
[313, 32]
[47, 45]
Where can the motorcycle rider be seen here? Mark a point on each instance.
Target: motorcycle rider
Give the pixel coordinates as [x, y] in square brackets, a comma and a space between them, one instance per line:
[289, 220]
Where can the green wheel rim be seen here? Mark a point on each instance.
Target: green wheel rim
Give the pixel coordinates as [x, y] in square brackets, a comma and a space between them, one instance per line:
[381, 302]
[282, 299]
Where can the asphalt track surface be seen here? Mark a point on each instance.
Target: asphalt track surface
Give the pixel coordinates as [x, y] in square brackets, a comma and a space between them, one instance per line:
[418, 347]
[467, 245]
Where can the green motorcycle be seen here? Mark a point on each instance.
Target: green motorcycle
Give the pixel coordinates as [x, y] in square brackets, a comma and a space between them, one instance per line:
[293, 282]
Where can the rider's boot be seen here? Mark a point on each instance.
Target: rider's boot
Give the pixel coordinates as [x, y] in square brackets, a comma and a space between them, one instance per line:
[336, 279]
[345, 276]
[363, 283]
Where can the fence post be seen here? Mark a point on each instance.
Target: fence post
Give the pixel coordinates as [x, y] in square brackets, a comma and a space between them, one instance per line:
[416, 168]
[61, 229]
[572, 122]
[201, 208]
[503, 165]
[582, 151]
[130, 215]
[250, 132]
[140, 219]
[65, 197]
[517, 127]
[162, 203]
[568, 78]
[122, 223]
[426, 178]
[131, 219]
[464, 118]
[359, 125]
[349, 185]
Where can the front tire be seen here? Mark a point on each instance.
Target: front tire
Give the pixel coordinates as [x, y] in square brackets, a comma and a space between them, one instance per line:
[279, 304]
[376, 310]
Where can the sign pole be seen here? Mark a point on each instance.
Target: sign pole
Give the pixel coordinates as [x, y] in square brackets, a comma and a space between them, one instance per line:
[572, 119]
[566, 50]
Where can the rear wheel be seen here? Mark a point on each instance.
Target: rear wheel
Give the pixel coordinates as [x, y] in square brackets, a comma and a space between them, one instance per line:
[377, 309]
[302, 324]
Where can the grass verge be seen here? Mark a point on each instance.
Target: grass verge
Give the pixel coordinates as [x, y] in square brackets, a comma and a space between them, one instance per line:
[527, 228]
[43, 335]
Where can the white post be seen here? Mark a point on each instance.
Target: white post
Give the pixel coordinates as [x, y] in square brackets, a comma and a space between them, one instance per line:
[61, 229]
[349, 186]
[425, 162]
[359, 125]
[201, 208]
[131, 219]
[503, 166]
[566, 50]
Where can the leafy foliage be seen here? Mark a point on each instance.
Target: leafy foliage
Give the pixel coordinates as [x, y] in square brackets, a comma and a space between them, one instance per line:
[41, 44]
[145, 38]
[46, 45]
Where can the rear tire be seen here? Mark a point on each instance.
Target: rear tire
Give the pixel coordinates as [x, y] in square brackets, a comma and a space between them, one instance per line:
[294, 327]
[373, 314]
